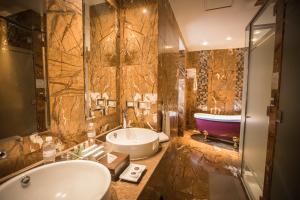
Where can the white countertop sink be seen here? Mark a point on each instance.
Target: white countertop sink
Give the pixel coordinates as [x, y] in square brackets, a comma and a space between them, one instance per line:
[68, 180]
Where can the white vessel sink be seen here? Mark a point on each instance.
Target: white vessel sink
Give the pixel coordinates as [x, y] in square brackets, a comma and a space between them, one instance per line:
[68, 180]
[139, 143]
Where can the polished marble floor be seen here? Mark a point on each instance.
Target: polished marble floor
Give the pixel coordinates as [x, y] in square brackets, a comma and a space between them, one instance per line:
[195, 170]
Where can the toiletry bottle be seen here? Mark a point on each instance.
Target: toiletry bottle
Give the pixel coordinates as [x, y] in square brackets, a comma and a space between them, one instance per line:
[91, 133]
[49, 150]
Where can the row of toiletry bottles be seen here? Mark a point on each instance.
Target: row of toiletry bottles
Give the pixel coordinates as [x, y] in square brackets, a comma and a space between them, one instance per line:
[49, 147]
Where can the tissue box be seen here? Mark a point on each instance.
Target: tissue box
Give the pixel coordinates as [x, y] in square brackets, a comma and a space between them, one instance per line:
[117, 166]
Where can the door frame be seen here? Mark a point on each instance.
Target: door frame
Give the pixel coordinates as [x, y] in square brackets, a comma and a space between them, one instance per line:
[273, 110]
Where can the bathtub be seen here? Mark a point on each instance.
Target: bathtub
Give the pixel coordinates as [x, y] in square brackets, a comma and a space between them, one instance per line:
[223, 127]
[139, 143]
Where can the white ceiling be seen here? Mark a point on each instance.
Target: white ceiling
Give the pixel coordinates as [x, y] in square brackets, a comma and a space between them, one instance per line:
[213, 26]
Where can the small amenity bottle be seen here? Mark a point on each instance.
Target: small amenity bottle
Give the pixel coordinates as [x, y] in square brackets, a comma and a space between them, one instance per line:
[49, 150]
[91, 133]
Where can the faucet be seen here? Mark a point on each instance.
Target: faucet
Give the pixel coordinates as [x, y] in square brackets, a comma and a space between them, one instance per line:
[124, 113]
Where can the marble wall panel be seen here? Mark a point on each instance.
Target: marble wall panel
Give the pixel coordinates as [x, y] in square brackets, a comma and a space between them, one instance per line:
[103, 59]
[219, 82]
[65, 68]
[138, 59]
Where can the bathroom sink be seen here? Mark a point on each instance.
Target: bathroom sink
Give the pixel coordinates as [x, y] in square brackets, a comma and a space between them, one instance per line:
[68, 180]
[139, 143]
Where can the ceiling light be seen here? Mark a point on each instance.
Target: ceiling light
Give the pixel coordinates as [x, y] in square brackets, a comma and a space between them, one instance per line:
[229, 38]
[144, 10]
[204, 43]
[256, 32]
[254, 39]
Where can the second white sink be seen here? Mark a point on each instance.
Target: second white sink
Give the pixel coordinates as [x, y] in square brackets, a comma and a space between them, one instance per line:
[68, 180]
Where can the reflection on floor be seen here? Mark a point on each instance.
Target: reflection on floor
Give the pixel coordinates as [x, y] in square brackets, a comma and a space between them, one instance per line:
[195, 170]
[212, 141]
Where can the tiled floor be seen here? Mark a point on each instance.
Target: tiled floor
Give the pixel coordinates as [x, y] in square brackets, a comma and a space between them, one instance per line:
[194, 170]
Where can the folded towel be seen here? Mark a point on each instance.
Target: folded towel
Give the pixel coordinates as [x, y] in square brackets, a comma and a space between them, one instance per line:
[163, 137]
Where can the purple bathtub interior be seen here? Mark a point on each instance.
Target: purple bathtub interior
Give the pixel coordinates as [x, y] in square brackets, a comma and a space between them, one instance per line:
[223, 127]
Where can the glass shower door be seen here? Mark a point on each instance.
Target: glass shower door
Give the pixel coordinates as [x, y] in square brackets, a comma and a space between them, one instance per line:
[256, 120]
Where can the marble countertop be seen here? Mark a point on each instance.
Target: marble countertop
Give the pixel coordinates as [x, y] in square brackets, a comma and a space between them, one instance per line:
[121, 190]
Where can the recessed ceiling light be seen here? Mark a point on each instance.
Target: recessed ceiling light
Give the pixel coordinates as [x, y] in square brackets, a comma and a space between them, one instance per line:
[229, 38]
[257, 32]
[144, 10]
[254, 39]
[204, 43]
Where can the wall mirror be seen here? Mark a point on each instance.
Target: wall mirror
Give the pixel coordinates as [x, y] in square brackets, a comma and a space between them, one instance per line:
[101, 60]
[23, 85]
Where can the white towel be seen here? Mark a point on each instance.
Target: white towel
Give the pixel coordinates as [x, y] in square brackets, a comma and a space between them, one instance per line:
[163, 137]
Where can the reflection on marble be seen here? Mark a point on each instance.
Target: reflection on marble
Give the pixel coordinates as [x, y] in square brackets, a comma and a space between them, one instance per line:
[219, 82]
[169, 63]
[24, 153]
[195, 170]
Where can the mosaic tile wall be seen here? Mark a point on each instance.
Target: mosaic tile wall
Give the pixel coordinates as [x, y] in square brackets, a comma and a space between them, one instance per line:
[219, 82]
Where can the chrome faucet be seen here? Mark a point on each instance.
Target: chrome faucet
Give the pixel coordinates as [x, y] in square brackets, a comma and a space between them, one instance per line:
[124, 113]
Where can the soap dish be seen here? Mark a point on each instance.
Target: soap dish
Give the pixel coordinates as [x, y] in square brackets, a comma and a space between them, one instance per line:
[133, 173]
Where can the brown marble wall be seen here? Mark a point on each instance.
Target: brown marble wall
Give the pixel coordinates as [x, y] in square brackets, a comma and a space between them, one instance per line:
[103, 58]
[149, 65]
[219, 82]
[65, 68]
[138, 53]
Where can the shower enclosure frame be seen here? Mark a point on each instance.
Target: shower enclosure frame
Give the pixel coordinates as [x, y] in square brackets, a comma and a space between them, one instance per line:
[272, 110]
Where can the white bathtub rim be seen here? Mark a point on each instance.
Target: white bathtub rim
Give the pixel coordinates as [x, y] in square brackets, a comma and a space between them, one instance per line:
[139, 144]
[218, 118]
